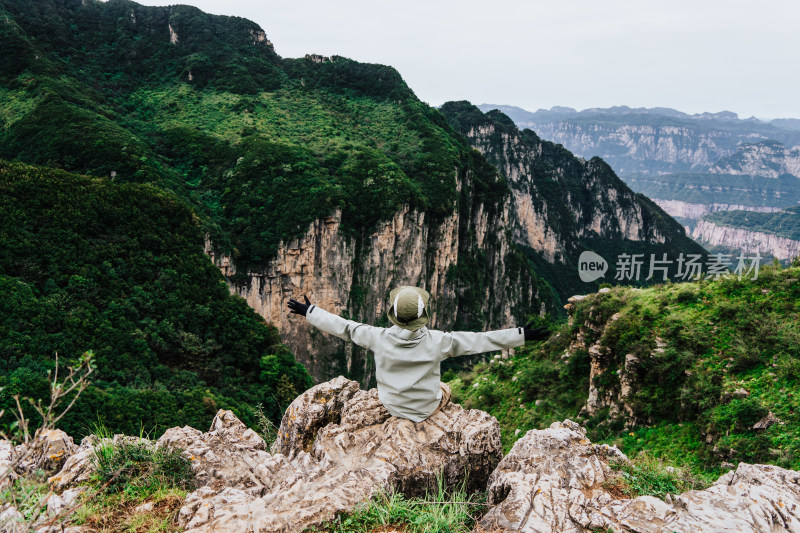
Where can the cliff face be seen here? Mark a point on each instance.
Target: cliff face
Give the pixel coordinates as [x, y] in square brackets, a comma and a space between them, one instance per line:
[677, 208]
[746, 240]
[639, 146]
[464, 260]
[768, 159]
[562, 205]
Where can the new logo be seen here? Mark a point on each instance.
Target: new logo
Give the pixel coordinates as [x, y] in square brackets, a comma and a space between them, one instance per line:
[591, 266]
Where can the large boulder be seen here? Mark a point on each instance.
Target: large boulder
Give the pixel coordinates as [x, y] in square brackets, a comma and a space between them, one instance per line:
[552, 481]
[337, 446]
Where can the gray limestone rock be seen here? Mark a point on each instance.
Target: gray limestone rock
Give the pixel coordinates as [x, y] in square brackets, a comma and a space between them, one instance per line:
[325, 469]
[552, 481]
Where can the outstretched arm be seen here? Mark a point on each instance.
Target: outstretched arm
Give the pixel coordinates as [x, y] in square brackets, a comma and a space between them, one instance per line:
[349, 330]
[464, 342]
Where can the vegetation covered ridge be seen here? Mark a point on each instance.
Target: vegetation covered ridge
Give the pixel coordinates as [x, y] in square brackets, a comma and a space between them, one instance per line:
[203, 106]
[698, 373]
[784, 223]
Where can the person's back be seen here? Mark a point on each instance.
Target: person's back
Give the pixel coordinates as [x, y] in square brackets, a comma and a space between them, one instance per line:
[408, 355]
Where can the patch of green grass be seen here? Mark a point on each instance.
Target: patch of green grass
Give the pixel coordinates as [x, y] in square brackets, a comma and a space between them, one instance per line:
[441, 512]
[137, 487]
[646, 475]
[138, 468]
[27, 494]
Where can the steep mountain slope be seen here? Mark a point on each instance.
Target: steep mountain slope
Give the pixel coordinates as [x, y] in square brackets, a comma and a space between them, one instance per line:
[86, 264]
[699, 373]
[561, 205]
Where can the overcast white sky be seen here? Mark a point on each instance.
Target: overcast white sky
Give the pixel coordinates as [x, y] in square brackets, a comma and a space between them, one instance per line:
[698, 55]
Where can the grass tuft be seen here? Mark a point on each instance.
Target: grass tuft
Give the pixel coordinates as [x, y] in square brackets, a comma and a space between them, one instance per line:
[443, 511]
[646, 475]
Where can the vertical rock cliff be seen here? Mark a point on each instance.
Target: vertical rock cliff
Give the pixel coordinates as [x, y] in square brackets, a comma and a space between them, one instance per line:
[561, 205]
[475, 274]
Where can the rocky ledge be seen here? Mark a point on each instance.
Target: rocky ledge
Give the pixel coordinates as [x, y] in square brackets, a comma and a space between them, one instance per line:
[337, 445]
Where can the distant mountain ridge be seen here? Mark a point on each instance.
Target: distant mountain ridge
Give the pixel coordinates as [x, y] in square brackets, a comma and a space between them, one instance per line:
[650, 140]
[519, 114]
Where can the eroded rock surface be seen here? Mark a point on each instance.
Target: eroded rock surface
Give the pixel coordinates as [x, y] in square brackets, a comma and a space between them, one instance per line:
[325, 469]
[552, 481]
[226, 455]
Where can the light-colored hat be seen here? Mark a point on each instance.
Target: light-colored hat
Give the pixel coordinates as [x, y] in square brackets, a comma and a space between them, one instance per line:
[408, 307]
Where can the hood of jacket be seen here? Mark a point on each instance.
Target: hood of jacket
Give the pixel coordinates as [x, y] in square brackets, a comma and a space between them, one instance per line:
[406, 338]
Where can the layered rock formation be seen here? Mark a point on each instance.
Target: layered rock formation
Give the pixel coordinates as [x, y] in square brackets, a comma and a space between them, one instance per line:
[768, 159]
[648, 141]
[681, 209]
[745, 240]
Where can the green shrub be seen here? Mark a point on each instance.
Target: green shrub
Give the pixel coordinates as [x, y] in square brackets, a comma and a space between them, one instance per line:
[139, 468]
[686, 295]
[739, 415]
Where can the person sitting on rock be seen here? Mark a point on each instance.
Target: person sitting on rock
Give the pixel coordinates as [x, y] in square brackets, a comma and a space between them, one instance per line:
[408, 355]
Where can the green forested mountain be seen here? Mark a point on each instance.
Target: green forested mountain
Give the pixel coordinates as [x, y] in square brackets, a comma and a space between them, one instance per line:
[202, 105]
[138, 134]
[119, 269]
[252, 148]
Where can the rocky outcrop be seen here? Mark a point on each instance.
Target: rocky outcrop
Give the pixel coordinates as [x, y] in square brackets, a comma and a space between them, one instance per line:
[320, 470]
[555, 480]
[746, 240]
[7, 471]
[695, 211]
[47, 451]
[336, 447]
[227, 455]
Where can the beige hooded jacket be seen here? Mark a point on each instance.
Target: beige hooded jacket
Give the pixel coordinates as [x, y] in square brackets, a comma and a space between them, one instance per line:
[407, 362]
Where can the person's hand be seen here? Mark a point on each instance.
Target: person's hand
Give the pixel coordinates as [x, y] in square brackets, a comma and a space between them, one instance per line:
[297, 308]
[535, 334]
